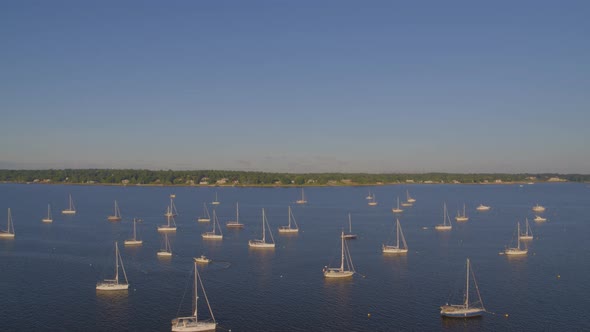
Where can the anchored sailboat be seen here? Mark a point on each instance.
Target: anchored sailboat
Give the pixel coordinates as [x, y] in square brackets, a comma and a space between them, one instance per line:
[289, 229]
[397, 209]
[349, 235]
[302, 200]
[409, 199]
[518, 250]
[9, 232]
[167, 250]
[206, 216]
[397, 248]
[346, 268]
[538, 208]
[213, 235]
[540, 219]
[262, 243]
[446, 225]
[71, 209]
[466, 309]
[48, 219]
[192, 323]
[482, 207]
[216, 201]
[117, 215]
[528, 233]
[373, 202]
[134, 241]
[236, 223]
[462, 217]
[170, 223]
[113, 284]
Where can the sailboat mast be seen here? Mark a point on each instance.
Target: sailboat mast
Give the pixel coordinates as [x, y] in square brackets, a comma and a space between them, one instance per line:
[263, 228]
[349, 224]
[134, 232]
[397, 231]
[342, 253]
[289, 217]
[518, 235]
[116, 263]
[467, 286]
[196, 295]
[237, 213]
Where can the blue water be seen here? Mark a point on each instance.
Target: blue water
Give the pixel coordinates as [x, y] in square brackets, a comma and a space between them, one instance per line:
[48, 272]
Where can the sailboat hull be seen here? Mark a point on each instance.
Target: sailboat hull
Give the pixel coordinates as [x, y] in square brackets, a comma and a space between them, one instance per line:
[260, 244]
[460, 312]
[461, 218]
[133, 242]
[234, 225]
[287, 230]
[515, 252]
[394, 250]
[330, 273]
[6, 235]
[68, 212]
[212, 236]
[111, 287]
[47, 220]
[204, 219]
[166, 229]
[190, 324]
[443, 227]
[113, 218]
[164, 254]
[397, 210]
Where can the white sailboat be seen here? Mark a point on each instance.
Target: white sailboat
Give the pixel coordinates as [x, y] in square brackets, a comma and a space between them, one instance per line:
[213, 235]
[406, 204]
[538, 208]
[369, 196]
[113, 284]
[302, 200]
[262, 242]
[349, 235]
[446, 225]
[346, 268]
[289, 229]
[466, 309]
[48, 219]
[409, 199]
[462, 217]
[528, 233]
[170, 223]
[518, 250]
[397, 209]
[71, 209]
[236, 223]
[206, 216]
[216, 201]
[171, 209]
[167, 250]
[134, 241]
[117, 215]
[482, 207]
[398, 248]
[373, 202]
[9, 232]
[192, 323]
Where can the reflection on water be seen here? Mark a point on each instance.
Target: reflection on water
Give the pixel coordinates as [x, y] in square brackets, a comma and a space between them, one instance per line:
[284, 288]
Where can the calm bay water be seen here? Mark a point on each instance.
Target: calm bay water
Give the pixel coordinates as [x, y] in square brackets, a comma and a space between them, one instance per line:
[48, 272]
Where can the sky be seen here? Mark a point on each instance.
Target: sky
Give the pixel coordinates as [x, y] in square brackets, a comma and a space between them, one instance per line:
[296, 86]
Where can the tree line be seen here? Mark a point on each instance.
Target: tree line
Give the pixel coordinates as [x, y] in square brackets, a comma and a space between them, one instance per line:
[248, 178]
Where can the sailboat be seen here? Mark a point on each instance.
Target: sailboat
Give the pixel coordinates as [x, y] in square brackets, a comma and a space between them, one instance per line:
[466, 309]
[170, 225]
[373, 202]
[48, 219]
[369, 196]
[349, 235]
[406, 204]
[482, 207]
[9, 232]
[71, 209]
[397, 209]
[518, 250]
[528, 233]
[462, 217]
[446, 225]
[213, 235]
[302, 200]
[192, 323]
[538, 208]
[409, 199]
[113, 284]
[289, 229]
[236, 223]
[397, 249]
[134, 241]
[262, 243]
[171, 209]
[117, 216]
[345, 260]
[167, 250]
[216, 201]
[206, 216]
[202, 259]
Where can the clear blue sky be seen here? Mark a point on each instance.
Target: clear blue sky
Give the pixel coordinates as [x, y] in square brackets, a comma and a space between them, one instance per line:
[296, 86]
